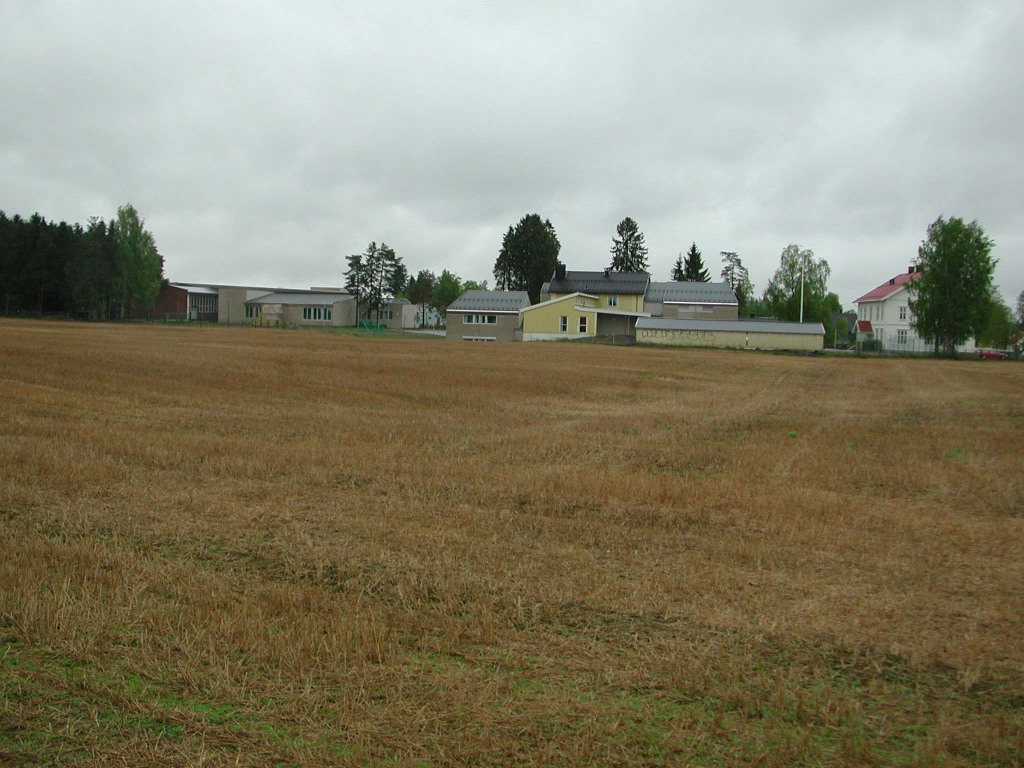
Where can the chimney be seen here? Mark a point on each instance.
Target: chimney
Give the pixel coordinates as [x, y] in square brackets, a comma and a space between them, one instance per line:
[559, 271]
[911, 269]
[607, 271]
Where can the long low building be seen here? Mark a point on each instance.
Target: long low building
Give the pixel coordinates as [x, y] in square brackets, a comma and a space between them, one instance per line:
[302, 308]
[737, 334]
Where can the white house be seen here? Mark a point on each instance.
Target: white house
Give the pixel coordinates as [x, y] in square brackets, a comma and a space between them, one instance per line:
[884, 314]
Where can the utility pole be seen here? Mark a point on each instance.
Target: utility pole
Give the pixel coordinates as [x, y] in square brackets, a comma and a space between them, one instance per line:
[803, 264]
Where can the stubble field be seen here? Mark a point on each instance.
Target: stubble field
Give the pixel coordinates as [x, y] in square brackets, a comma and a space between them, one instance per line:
[257, 547]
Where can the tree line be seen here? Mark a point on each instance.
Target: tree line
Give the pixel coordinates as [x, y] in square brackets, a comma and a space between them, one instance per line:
[378, 274]
[100, 271]
[107, 269]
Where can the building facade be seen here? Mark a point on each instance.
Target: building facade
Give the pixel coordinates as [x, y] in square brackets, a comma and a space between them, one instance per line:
[486, 316]
[731, 334]
[608, 304]
[301, 308]
[884, 315]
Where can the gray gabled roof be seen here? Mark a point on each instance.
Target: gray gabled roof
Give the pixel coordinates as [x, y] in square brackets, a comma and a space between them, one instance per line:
[743, 326]
[599, 282]
[490, 301]
[303, 298]
[711, 293]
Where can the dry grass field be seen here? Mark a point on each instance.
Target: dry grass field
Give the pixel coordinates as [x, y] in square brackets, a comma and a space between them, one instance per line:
[243, 547]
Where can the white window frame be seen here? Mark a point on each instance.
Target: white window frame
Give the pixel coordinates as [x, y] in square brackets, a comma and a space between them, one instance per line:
[252, 311]
[563, 324]
[583, 324]
[902, 337]
[613, 301]
[903, 312]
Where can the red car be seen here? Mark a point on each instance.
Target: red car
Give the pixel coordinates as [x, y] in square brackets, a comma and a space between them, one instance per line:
[991, 354]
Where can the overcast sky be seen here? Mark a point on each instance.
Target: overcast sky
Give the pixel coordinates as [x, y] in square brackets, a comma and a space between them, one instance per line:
[263, 141]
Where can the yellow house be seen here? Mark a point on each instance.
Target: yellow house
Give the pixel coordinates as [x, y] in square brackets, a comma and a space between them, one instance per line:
[572, 316]
[580, 304]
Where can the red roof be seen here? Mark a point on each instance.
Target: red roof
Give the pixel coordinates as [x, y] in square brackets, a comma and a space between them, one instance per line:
[864, 326]
[888, 288]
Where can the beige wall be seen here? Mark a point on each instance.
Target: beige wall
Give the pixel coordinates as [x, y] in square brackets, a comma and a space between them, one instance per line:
[619, 325]
[717, 312]
[503, 330]
[730, 339]
[344, 312]
[410, 315]
[402, 316]
[231, 303]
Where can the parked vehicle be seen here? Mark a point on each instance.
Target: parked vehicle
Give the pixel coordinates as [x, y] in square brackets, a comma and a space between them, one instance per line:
[992, 354]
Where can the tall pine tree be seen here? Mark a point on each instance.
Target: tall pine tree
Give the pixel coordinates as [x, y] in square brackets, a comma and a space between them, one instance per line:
[736, 275]
[629, 253]
[678, 272]
[693, 267]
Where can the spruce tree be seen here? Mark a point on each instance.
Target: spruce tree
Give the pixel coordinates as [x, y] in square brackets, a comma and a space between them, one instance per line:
[693, 267]
[629, 253]
[678, 272]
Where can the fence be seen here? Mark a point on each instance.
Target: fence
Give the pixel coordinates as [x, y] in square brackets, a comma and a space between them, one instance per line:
[908, 344]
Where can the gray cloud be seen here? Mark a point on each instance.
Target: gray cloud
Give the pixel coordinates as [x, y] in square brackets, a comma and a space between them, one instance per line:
[264, 142]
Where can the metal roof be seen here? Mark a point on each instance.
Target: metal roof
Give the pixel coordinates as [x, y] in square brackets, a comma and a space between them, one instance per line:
[194, 288]
[887, 289]
[744, 326]
[599, 282]
[697, 293]
[490, 301]
[300, 297]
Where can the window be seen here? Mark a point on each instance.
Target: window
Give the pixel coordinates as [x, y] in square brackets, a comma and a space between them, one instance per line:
[313, 313]
[613, 301]
[205, 303]
[252, 311]
[479, 338]
[479, 319]
[563, 324]
[901, 336]
[903, 313]
[327, 313]
[583, 325]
